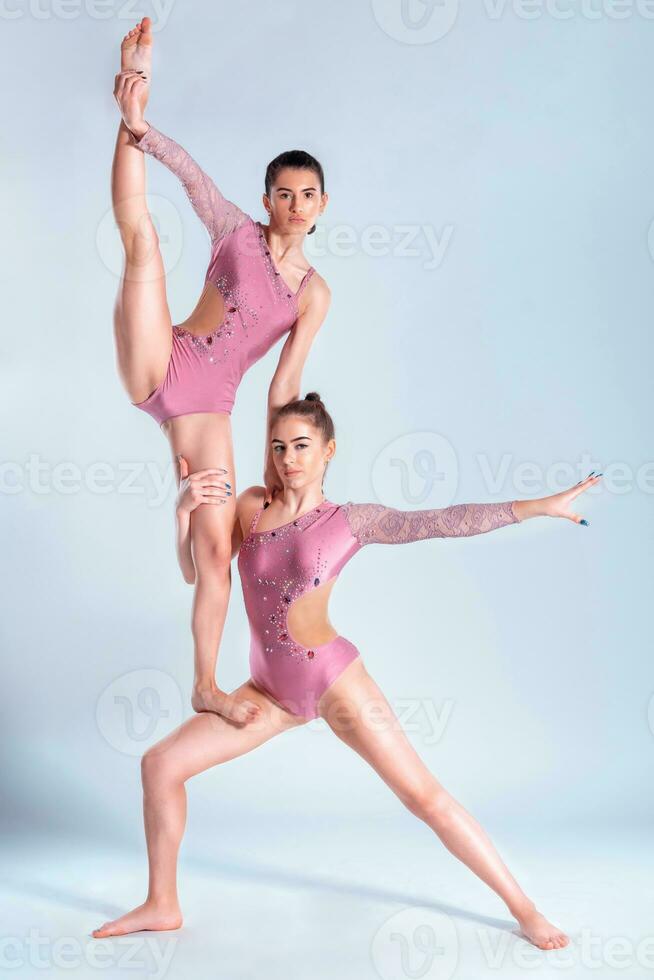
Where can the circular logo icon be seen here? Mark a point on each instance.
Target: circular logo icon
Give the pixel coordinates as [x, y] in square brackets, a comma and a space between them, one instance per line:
[416, 21]
[419, 469]
[137, 709]
[416, 942]
[170, 235]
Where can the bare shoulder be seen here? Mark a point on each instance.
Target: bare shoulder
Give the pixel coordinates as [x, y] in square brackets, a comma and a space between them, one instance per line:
[247, 503]
[317, 295]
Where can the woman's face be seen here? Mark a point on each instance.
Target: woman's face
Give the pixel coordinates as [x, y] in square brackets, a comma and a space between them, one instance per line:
[299, 452]
[295, 200]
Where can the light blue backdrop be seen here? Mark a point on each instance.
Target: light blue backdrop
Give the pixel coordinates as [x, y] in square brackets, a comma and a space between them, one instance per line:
[487, 247]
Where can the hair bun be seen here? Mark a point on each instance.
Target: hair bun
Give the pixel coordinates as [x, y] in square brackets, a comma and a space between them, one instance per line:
[313, 396]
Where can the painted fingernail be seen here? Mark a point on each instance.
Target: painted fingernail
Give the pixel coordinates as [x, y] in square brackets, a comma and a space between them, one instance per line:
[229, 493]
[584, 522]
[601, 474]
[228, 485]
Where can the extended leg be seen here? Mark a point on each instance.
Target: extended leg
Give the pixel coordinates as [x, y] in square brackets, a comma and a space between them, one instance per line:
[385, 746]
[142, 322]
[203, 741]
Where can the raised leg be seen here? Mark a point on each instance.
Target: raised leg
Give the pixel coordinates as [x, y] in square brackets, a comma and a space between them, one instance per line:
[203, 741]
[387, 749]
[142, 322]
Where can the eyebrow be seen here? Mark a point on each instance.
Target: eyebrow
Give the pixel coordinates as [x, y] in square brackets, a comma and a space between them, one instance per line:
[291, 189]
[293, 440]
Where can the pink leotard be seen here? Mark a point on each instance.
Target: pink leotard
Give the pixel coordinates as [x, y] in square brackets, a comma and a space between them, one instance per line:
[204, 372]
[282, 564]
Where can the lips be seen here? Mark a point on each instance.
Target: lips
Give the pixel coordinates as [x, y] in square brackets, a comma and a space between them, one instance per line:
[299, 221]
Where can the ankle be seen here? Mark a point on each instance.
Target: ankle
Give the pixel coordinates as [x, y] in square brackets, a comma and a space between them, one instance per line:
[163, 903]
[522, 907]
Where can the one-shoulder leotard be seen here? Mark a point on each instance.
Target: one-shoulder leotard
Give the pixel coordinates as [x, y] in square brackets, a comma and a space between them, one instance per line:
[280, 565]
[205, 371]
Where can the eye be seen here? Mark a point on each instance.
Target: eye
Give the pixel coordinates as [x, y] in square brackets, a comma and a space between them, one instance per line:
[309, 193]
[302, 445]
[277, 449]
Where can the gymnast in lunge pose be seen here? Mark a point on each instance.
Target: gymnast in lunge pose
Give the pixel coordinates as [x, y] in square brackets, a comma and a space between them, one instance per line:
[289, 555]
[257, 288]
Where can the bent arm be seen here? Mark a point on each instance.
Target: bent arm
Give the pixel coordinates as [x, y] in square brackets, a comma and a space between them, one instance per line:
[285, 384]
[376, 524]
[219, 216]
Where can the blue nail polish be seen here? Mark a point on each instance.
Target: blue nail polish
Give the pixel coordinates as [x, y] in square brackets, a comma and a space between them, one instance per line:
[591, 473]
[584, 522]
[229, 493]
[228, 485]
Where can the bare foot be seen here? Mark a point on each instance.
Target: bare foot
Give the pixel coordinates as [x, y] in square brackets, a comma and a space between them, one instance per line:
[539, 931]
[238, 710]
[136, 48]
[146, 916]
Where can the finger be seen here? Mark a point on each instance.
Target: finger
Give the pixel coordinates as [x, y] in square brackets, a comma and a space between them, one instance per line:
[208, 499]
[183, 466]
[208, 472]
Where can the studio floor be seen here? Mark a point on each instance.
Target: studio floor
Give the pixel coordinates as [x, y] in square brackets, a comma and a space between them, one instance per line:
[325, 898]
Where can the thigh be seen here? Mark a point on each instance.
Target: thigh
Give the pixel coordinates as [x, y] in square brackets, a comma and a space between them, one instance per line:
[207, 739]
[205, 440]
[357, 711]
[142, 322]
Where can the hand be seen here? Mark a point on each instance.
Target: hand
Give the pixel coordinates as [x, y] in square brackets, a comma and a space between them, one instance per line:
[272, 481]
[202, 487]
[240, 710]
[558, 504]
[131, 91]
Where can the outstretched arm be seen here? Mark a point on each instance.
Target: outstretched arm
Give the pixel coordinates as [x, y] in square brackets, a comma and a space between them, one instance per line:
[376, 524]
[219, 216]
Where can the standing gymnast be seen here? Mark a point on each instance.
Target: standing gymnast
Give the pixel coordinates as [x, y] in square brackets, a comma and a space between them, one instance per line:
[257, 288]
[301, 668]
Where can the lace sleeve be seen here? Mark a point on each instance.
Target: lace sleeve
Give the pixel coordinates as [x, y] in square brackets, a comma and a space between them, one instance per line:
[376, 524]
[217, 214]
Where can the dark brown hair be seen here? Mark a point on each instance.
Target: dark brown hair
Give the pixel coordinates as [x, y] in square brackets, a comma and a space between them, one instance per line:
[312, 408]
[298, 160]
